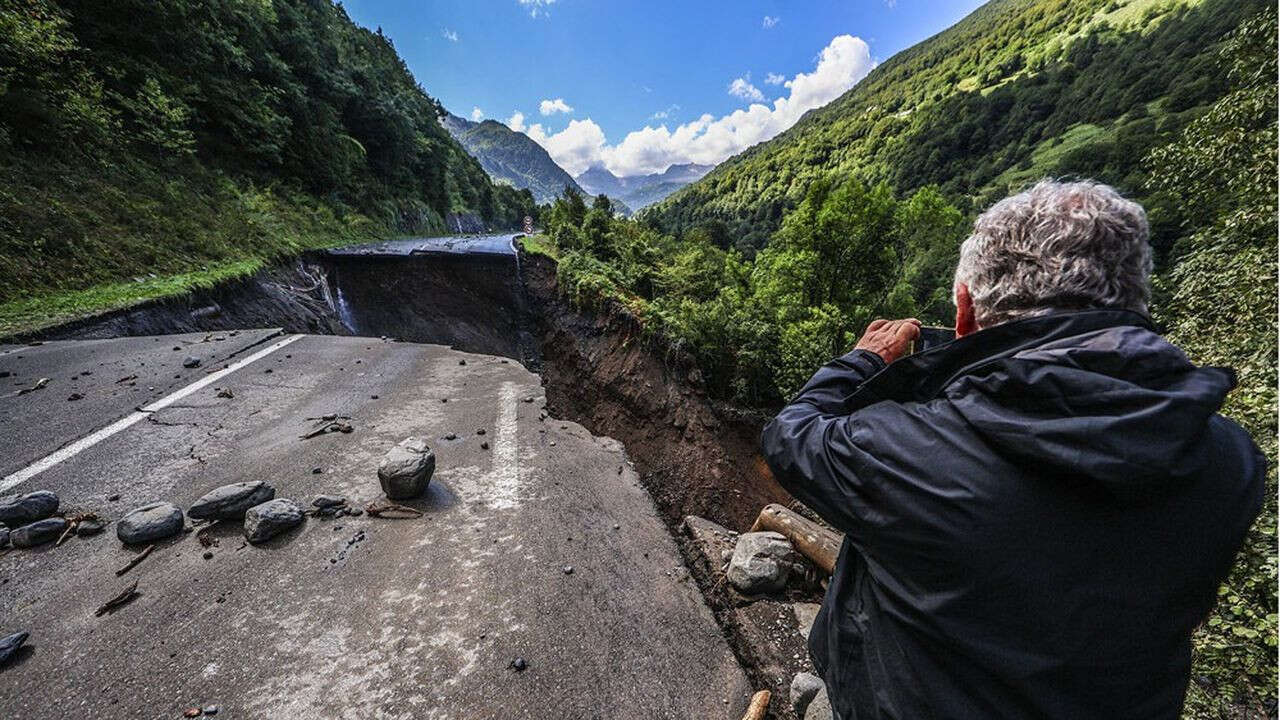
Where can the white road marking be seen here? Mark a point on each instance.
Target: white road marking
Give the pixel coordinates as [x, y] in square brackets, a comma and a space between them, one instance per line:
[134, 417]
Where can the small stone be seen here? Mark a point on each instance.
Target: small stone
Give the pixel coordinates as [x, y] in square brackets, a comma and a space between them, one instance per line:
[74, 397]
[324, 501]
[450, 436]
[484, 445]
[208, 555]
[355, 512]
[9, 646]
[265, 521]
[480, 431]
[406, 469]
[38, 532]
[444, 400]
[211, 709]
[150, 522]
[462, 362]
[113, 497]
[804, 688]
[85, 528]
[528, 399]
[225, 393]
[762, 562]
[373, 397]
[191, 712]
[190, 361]
[230, 502]
[316, 471]
[16, 510]
[518, 664]
[568, 569]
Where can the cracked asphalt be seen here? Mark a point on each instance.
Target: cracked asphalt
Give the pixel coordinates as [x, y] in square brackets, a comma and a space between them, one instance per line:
[350, 617]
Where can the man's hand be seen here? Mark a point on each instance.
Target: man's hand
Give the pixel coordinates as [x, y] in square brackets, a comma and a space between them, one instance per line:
[890, 339]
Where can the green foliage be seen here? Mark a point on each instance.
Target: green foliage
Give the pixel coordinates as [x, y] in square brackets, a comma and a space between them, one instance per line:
[1220, 306]
[123, 123]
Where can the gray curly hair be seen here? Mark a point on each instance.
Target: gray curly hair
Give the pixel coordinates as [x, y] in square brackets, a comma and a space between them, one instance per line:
[1059, 246]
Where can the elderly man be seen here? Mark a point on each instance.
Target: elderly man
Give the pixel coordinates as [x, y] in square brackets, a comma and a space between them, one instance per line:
[1038, 514]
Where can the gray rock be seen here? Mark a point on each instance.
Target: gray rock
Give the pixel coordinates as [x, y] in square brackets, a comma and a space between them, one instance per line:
[324, 501]
[806, 613]
[16, 510]
[191, 361]
[820, 707]
[151, 522]
[230, 502]
[271, 518]
[762, 562]
[406, 469]
[38, 532]
[85, 528]
[4, 536]
[9, 646]
[804, 688]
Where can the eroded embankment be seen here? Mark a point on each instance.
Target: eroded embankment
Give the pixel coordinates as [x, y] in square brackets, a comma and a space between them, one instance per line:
[695, 456]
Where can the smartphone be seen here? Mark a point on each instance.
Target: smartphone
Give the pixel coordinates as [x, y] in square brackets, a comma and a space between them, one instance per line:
[931, 337]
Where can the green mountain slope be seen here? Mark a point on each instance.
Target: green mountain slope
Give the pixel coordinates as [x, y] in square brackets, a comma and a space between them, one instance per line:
[511, 157]
[147, 146]
[1017, 90]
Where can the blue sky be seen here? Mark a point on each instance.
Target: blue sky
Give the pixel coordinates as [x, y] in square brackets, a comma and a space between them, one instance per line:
[637, 86]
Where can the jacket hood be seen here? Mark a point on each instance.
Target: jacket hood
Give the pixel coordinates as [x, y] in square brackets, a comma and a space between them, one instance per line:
[1095, 396]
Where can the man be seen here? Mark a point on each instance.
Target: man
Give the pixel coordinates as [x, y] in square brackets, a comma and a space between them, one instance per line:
[1038, 514]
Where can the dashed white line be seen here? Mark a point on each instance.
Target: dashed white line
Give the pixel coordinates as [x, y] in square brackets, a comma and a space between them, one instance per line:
[134, 417]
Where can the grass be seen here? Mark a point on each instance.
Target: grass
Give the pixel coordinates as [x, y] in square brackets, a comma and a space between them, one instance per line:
[539, 244]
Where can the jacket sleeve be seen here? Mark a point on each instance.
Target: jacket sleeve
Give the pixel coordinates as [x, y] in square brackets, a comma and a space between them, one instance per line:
[814, 445]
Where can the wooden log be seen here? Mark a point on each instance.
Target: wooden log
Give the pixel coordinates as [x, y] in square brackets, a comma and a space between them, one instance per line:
[758, 707]
[815, 542]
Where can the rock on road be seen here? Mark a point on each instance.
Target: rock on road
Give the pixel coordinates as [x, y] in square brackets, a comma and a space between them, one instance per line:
[353, 617]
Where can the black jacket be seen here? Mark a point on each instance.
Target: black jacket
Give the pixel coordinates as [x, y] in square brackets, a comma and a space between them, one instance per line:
[1036, 517]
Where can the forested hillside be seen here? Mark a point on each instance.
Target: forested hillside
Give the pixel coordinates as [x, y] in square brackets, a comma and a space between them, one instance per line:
[146, 146]
[775, 261]
[511, 157]
[1017, 90]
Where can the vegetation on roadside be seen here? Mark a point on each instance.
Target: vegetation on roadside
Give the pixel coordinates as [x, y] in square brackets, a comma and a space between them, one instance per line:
[759, 322]
[189, 139]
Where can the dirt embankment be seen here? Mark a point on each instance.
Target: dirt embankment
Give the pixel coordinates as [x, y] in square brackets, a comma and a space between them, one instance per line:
[695, 456]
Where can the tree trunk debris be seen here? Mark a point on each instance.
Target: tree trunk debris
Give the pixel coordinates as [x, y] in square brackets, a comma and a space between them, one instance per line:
[815, 542]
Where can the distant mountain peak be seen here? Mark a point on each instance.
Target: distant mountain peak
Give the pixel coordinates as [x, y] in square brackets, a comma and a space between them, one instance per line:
[638, 191]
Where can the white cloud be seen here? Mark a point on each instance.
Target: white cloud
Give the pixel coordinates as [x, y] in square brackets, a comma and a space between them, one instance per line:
[551, 107]
[769, 21]
[477, 114]
[450, 35]
[774, 78]
[742, 87]
[665, 113]
[536, 8]
[707, 140]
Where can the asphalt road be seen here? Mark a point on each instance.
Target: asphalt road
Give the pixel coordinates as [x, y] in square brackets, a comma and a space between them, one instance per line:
[420, 618]
[499, 244]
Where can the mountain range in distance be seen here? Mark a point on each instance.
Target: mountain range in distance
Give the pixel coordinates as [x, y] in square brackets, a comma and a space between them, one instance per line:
[639, 191]
[516, 159]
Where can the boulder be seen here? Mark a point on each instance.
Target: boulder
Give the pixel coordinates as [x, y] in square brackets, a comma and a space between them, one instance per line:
[763, 562]
[804, 688]
[406, 469]
[85, 528]
[38, 532]
[271, 518]
[17, 510]
[230, 502]
[151, 522]
[9, 646]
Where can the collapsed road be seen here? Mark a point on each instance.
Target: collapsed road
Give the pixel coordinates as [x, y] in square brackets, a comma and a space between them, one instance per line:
[542, 580]
[420, 617]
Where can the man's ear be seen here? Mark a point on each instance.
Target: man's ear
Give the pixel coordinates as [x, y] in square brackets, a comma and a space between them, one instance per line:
[965, 322]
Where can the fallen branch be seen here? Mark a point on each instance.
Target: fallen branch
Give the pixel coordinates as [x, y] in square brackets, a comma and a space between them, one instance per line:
[815, 542]
[136, 559]
[331, 426]
[376, 510]
[124, 598]
[758, 706]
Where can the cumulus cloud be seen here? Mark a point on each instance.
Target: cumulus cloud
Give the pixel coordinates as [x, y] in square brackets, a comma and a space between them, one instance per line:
[774, 78]
[477, 114]
[665, 113]
[769, 21]
[450, 35]
[551, 107]
[707, 140]
[742, 87]
[536, 8]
